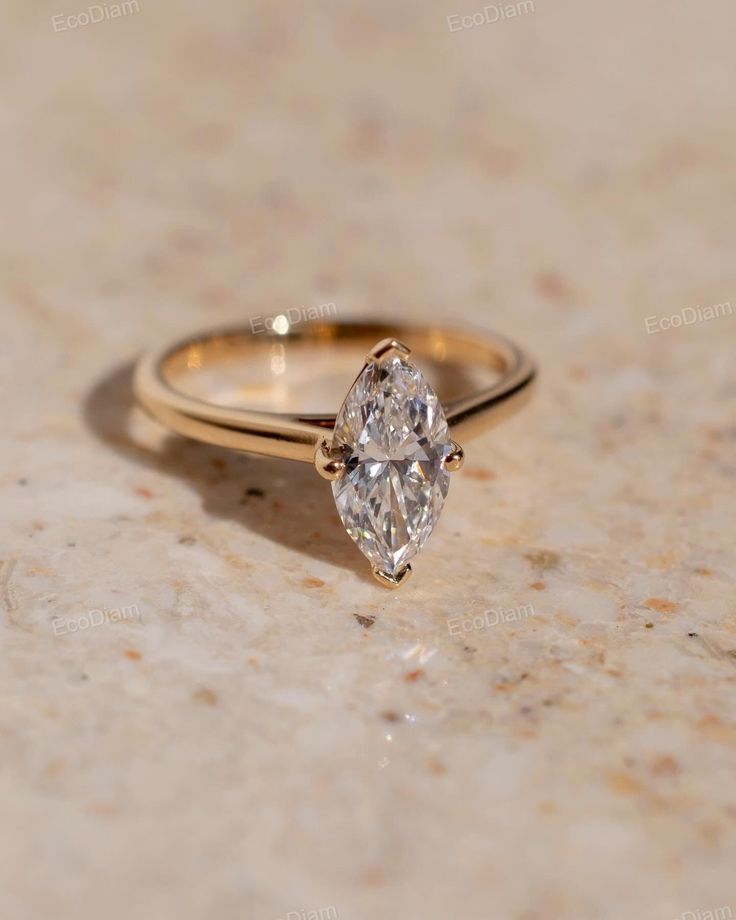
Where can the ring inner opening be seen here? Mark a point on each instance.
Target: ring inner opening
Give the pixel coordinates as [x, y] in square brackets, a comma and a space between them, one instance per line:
[310, 371]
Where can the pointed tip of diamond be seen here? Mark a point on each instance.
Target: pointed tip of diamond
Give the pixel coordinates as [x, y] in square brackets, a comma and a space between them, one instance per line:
[392, 579]
[388, 348]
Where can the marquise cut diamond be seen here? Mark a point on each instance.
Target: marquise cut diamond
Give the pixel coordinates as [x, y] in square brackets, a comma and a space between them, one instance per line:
[393, 436]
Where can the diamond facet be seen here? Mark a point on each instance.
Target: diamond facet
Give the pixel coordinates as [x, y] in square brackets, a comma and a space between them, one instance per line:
[392, 434]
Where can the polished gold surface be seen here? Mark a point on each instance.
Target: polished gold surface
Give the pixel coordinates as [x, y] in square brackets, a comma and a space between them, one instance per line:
[455, 459]
[329, 464]
[161, 375]
[388, 347]
[392, 581]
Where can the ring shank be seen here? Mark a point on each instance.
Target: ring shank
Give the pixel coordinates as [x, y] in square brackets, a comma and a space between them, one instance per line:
[296, 436]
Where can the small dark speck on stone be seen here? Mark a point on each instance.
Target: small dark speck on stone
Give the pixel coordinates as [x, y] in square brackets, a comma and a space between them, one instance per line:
[253, 492]
[693, 635]
[543, 559]
[526, 710]
[365, 622]
[391, 716]
[71, 545]
[649, 626]
[23, 482]
[205, 695]
[186, 540]
[469, 648]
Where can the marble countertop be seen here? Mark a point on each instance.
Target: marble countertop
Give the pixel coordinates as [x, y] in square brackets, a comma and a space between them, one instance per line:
[208, 710]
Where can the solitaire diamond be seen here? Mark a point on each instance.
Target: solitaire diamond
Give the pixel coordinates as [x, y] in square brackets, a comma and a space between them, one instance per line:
[392, 437]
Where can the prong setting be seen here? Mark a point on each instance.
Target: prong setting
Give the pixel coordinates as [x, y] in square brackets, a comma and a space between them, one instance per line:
[330, 464]
[391, 580]
[387, 348]
[455, 459]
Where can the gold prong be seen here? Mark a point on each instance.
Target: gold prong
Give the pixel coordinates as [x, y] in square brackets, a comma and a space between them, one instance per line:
[392, 581]
[328, 463]
[387, 348]
[455, 459]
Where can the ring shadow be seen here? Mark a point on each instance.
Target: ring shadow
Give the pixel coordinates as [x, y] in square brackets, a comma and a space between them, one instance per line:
[283, 501]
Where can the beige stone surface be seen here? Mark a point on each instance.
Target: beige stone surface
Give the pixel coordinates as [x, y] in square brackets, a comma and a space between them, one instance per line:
[268, 731]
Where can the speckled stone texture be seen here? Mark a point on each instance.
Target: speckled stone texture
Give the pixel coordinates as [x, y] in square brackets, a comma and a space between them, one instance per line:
[255, 729]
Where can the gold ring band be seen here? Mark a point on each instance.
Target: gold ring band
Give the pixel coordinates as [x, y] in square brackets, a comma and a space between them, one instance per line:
[296, 436]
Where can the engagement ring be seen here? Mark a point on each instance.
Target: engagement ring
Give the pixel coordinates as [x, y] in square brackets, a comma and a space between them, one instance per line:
[393, 445]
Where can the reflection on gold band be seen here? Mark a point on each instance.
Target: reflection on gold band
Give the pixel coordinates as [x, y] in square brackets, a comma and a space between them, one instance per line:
[297, 436]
